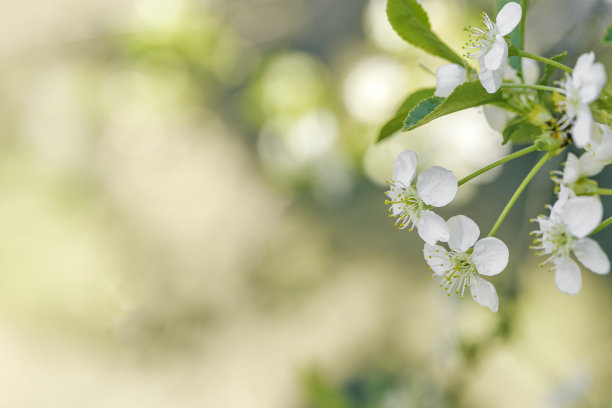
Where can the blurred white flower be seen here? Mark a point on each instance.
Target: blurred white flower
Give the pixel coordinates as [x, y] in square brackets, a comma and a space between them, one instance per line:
[435, 187]
[600, 145]
[531, 71]
[497, 118]
[581, 88]
[448, 77]
[461, 266]
[373, 88]
[565, 232]
[489, 46]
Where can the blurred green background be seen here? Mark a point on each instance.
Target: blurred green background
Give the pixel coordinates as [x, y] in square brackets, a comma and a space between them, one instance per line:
[193, 215]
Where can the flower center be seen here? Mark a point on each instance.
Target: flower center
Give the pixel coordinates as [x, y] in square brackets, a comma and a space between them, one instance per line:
[480, 40]
[559, 127]
[555, 240]
[460, 274]
[406, 205]
[561, 239]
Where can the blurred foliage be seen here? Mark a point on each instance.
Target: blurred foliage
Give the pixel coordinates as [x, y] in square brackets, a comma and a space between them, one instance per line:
[375, 387]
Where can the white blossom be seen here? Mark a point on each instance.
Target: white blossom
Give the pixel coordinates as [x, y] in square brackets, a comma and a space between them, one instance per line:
[581, 88]
[579, 168]
[489, 46]
[412, 204]
[600, 145]
[448, 77]
[467, 259]
[564, 233]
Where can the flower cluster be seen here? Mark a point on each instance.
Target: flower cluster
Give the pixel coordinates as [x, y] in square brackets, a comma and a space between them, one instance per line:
[468, 258]
[574, 111]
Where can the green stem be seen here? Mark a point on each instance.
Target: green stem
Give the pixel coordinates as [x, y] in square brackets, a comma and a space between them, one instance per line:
[604, 191]
[538, 87]
[601, 226]
[548, 61]
[518, 192]
[512, 156]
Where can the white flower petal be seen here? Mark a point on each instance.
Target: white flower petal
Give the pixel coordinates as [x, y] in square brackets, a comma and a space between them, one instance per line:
[490, 80]
[463, 233]
[432, 228]
[497, 55]
[448, 77]
[405, 166]
[600, 145]
[582, 215]
[581, 132]
[484, 293]
[589, 77]
[565, 193]
[490, 256]
[497, 118]
[437, 258]
[604, 153]
[597, 136]
[437, 186]
[592, 85]
[589, 166]
[557, 207]
[508, 18]
[531, 71]
[583, 67]
[590, 254]
[567, 276]
[571, 172]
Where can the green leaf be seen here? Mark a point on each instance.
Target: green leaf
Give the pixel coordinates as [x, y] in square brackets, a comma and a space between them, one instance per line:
[396, 123]
[549, 69]
[421, 111]
[517, 36]
[607, 38]
[320, 393]
[410, 21]
[466, 95]
[519, 131]
[603, 115]
[604, 104]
